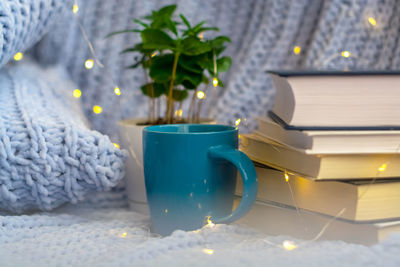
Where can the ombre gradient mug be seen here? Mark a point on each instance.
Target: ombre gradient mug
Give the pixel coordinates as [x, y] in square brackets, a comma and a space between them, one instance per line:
[190, 175]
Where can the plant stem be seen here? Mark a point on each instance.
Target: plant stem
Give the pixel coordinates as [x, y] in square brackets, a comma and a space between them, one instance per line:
[200, 104]
[170, 100]
[191, 107]
[150, 87]
[150, 116]
[152, 106]
[158, 108]
[152, 99]
[180, 110]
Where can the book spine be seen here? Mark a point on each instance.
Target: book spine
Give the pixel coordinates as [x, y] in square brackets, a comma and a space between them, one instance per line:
[286, 126]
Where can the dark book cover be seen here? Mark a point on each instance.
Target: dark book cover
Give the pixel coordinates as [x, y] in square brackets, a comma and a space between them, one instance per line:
[288, 73]
[286, 126]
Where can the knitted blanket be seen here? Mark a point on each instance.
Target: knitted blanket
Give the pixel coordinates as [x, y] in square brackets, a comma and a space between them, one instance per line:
[83, 236]
[48, 155]
[264, 35]
[23, 23]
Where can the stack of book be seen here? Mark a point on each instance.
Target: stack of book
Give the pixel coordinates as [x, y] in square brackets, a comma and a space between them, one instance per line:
[329, 153]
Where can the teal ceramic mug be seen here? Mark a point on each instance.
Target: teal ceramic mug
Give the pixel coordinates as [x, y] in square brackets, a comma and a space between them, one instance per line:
[190, 175]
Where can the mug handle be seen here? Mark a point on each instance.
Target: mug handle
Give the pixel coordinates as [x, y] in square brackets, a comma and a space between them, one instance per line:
[249, 177]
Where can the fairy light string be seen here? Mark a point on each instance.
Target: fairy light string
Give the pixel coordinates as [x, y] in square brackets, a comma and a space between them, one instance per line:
[75, 9]
[91, 62]
[201, 95]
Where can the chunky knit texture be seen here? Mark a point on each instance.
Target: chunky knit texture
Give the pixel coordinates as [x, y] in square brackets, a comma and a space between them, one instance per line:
[263, 33]
[80, 236]
[48, 155]
[24, 22]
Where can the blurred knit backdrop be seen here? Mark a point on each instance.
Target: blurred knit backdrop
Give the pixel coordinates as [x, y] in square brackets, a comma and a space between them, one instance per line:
[264, 33]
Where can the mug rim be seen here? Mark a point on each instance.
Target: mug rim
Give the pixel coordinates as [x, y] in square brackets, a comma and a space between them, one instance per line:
[159, 129]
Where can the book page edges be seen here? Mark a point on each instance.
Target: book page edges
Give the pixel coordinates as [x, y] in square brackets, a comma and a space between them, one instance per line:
[284, 101]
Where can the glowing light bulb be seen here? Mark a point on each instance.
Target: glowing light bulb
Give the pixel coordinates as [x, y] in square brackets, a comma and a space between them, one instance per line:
[18, 56]
[200, 95]
[179, 113]
[215, 82]
[75, 8]
[382, 168]
[372, 21]
[296, 50]
[208, 251]
[286, 177]
[117, 91]
[77, 93]
[238, 121]
[289, 245]
[209, 222]
[97, 109]
[116, 145]
[89, 64]
[346, 54]
[201, 36]
[123, 235]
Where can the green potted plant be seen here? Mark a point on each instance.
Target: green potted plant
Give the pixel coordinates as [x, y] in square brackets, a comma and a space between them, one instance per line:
[178, 62]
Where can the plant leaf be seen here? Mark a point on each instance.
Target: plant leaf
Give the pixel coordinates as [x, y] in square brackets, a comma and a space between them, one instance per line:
[179, 95]
[157, 39]
[187, 78]
[219, 50]
[172, 27]
[129, 50]
[124, 31]
[205, 60]
[161, 68]
[167, 10]
[134, 66]
[148, 17]
[154, 90]
[223, 64]
[219, 41]
[205, 29]
[198, 26]
[162, 18]
[190, 63]
[220, 83]
[192, 46]
[205, 79]
[138, 48]
[185, 20]
[141, 23]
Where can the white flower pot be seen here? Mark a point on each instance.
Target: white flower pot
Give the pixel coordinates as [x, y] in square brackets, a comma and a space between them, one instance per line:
[131, 139]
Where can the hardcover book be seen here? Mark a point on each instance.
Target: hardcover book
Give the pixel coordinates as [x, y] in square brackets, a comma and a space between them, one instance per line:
[337, 100]
[363, 201]
[272, 219]
[320, 166]
[331, 142]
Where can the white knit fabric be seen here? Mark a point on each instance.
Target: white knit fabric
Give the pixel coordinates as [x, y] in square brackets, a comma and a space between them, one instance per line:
[263, 33]
[102, 232]
[48, 154]
[80, 236]
[24, 22]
